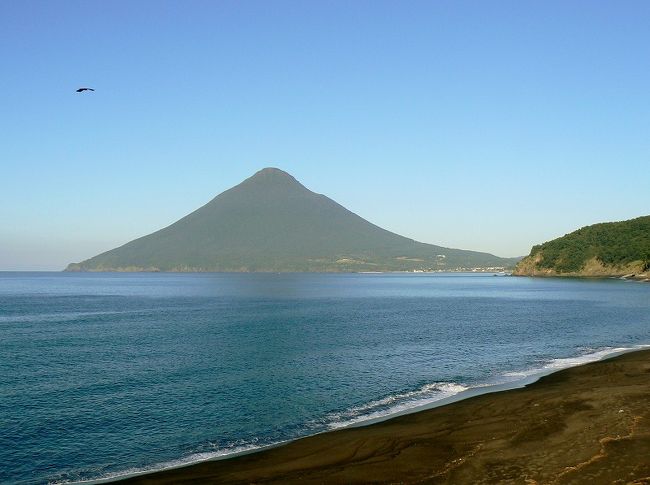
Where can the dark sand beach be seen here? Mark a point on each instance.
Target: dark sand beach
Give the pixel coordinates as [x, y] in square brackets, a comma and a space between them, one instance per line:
[587, 424]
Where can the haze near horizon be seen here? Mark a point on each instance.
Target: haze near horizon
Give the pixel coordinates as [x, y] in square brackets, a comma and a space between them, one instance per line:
[465, 125]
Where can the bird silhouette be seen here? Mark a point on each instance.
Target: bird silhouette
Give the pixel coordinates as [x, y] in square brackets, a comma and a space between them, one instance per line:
[81, 90]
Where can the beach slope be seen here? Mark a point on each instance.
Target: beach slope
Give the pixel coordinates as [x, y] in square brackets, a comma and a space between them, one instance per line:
[587, 424]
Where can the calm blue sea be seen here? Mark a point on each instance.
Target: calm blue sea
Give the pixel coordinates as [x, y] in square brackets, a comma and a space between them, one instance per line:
[105, 374]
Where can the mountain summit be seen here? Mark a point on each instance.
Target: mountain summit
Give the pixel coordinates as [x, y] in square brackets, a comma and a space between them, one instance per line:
[271, 222]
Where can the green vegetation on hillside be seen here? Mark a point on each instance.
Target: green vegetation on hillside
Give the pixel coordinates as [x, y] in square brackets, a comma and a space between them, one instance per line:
[270, 222]
[613, 244]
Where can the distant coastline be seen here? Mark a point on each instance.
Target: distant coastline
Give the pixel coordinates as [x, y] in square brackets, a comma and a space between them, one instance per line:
[74, 268]
[638, 277]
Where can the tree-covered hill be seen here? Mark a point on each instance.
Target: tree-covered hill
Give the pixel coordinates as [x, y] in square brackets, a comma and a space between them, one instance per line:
[271, 222]
[609, 248]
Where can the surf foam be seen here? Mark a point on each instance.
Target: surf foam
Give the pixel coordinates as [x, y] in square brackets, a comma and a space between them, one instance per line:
[557, 364]
[393, 404]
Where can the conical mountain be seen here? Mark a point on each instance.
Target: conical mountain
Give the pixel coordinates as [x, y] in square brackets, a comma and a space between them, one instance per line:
[271, 222]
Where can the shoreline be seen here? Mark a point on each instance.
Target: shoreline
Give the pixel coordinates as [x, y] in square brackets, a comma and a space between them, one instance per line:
[642, 276]
[230, 463]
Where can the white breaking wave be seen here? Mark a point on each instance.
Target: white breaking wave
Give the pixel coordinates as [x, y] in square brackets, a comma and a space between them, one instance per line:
[566, 362]
[394, 404]
[431, 393]
[186, 460]
[380, 408]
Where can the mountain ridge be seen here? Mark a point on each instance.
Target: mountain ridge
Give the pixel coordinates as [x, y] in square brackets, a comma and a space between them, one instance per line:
[271, 222]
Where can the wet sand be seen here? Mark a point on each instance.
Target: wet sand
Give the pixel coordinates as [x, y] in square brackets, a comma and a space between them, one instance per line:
[588, 424]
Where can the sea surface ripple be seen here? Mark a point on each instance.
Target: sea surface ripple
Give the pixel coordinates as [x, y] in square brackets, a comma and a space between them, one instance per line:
[109, 374]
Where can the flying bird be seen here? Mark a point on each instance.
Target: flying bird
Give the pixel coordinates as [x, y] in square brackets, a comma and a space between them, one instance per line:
[81, 90]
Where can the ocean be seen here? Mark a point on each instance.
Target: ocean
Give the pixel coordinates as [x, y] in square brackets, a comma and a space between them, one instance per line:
[109, 374]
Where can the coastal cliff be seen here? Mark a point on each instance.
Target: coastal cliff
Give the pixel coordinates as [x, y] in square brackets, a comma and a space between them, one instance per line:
[619, 249]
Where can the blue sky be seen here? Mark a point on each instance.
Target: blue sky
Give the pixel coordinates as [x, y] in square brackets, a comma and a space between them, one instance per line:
[481, 125]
